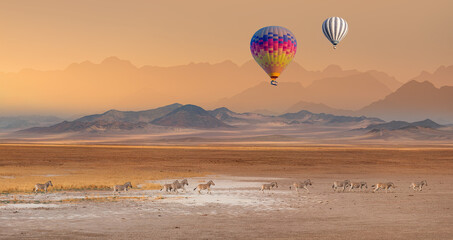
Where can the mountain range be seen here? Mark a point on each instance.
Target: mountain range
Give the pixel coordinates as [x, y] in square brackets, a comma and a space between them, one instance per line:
[174, 116]
[191, 123]
[191, 117]
[118, 84]
[318, 108]
[443, 76]
[395, 125]
[21, 122]
[419, 131]
[308, 117]
[348, 92]
[131, 116]
[414, 101]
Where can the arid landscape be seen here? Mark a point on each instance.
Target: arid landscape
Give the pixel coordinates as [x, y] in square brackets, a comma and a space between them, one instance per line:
[178, 124]
[82, 205]
[226, 119]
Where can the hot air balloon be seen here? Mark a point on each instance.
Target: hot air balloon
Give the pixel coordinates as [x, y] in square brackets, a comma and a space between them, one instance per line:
[273, 48]
[335, 29]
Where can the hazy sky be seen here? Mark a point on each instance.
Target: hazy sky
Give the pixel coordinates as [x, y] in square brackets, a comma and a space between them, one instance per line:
[400, 37]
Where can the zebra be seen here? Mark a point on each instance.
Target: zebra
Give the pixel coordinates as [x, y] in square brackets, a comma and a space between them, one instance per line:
[206, 186]
[360, 185]
[303, 184]
[340, 184]
[385, 186]
[124, 187]
[40, 186]
[268, 186]
[418, 185]
[167, 187]
[179, 185]
[184, 182]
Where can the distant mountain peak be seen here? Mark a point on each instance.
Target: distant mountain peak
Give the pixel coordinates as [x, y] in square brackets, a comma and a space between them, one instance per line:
[332, 69]
[114, 61]
[442, 68]
[396, 125]
[190, 116]
[114, 115]
[413, 101]
[79, 66]
[227, 62]
[415, 87]
[111, 111]
[309, 117]
[110, 62]
[191, 108]
[27, 121]
[419, 83]
[442, 76]
[427, 123]
[174, 105]
[222, 109]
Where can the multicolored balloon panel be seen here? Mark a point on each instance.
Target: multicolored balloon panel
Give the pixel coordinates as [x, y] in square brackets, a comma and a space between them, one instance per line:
[273, 48]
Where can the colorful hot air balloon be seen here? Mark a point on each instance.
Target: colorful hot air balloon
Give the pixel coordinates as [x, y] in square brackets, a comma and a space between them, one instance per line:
[273, 48]
[335, 29]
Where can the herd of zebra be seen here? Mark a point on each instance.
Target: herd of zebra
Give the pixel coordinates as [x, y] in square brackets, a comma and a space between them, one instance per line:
[336, 186]
[347, 184]
[180, 185]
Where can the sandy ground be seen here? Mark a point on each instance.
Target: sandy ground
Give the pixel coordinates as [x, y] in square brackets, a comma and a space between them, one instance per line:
[236, 209]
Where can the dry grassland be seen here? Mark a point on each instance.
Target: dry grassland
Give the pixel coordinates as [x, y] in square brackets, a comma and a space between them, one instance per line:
[101, 167]
[77, 169]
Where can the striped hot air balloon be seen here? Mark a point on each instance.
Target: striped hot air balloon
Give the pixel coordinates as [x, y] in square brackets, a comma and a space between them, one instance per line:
[273, 48]
[335, 29]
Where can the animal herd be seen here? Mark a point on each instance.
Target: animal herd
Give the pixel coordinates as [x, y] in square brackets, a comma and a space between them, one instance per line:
[336, 186]
[347, 184]
[175, 186]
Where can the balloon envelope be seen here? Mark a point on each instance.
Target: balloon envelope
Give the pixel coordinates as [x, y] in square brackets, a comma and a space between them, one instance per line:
[335, 29]
[273, 48]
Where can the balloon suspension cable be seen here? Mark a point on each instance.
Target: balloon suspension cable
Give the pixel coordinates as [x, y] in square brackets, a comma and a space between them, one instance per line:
[273, 82]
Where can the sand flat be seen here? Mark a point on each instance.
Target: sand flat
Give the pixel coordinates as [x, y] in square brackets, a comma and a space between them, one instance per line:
[236, 209]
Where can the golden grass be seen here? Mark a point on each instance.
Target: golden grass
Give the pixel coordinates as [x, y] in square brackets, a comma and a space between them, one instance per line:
[104, 199]
[150, 186]
[159, 197]
[23, 179]
[101, 167]
[78, 168]
[79, 200]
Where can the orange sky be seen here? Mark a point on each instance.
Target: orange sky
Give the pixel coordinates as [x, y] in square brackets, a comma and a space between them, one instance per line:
[399, 37]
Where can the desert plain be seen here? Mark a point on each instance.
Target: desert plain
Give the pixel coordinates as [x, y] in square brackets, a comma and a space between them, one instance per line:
[81, 204]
